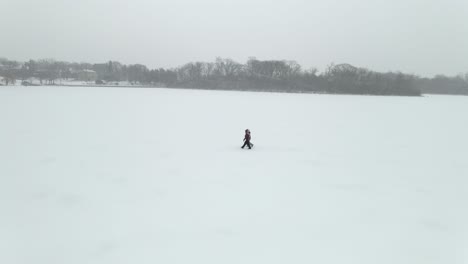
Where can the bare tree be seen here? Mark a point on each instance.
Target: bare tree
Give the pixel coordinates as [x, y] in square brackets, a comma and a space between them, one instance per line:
[227, 67]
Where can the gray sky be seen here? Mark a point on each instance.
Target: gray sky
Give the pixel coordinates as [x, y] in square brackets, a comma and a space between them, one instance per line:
[424, 37]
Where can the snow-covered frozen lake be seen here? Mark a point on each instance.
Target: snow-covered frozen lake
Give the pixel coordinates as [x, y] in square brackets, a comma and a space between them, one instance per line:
[126, 175]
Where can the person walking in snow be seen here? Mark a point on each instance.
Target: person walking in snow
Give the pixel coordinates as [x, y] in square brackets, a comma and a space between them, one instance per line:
[247, 138]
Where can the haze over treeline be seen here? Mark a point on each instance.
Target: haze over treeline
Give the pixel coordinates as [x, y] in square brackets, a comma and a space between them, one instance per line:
[227, 74]
[414, 36]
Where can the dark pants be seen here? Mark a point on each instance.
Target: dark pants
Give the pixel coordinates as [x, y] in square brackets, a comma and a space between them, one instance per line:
[247, 143]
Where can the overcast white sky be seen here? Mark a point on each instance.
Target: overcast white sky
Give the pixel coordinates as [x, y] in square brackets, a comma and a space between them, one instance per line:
[424, 37]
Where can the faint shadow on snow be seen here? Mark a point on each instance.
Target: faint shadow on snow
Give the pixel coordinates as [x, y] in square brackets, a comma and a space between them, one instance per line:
[48, 160]
[70, 199]
[435, 225]
[38, 196]
[278, 149]
[272, 149]
[66, 199]
[349, 187]
[104, 248]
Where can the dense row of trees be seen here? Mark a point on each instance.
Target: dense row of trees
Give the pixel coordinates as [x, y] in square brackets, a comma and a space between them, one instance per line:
[440, 84]
[260, 75]
[48, 71]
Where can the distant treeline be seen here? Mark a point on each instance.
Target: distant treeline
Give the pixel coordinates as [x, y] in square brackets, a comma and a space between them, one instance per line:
[227, 74]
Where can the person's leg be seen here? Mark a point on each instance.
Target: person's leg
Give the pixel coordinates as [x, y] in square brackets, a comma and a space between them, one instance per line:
[245, 144]
[248, 144]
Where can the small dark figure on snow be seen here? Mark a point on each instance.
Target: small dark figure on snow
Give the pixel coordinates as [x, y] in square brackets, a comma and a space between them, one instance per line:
[247, 139]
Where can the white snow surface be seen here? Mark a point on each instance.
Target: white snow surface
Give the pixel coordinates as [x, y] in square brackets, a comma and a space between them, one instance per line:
[128, 175]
